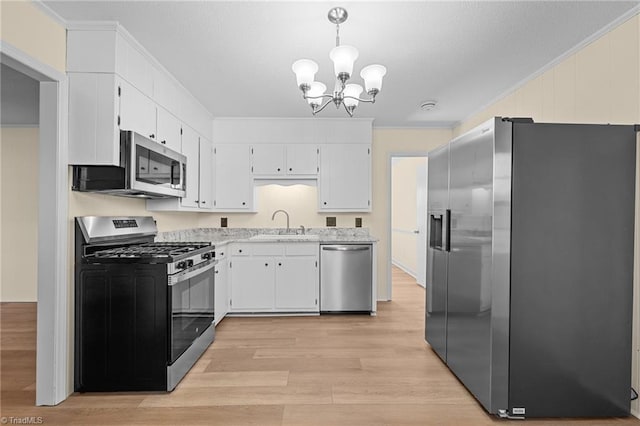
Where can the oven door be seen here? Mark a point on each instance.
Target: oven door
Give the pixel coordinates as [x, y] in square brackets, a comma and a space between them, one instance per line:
[191, 305]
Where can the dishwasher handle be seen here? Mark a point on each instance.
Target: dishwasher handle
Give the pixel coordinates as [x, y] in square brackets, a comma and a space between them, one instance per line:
[347, 248]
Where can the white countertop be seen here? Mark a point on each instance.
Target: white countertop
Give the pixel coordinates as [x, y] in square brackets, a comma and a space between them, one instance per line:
[221, 236]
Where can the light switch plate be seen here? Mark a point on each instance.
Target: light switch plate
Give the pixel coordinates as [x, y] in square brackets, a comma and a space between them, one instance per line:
[223, 222]
[331, 221]
[358, 222]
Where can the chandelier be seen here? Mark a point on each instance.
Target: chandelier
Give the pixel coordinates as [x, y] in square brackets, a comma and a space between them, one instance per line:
[343, 57]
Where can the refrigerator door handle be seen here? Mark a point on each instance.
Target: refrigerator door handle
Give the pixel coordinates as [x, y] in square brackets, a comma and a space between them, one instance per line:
[447, 233]
[436, 228]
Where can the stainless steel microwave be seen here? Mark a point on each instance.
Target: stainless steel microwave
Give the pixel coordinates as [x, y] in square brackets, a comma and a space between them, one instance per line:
[147, 170]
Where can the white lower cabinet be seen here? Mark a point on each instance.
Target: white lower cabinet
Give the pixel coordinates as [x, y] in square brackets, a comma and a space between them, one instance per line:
[296, 284]
[221, 303]
[252, 284]
[274, 278]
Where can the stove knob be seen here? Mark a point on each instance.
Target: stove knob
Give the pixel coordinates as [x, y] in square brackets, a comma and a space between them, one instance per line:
[181, 265]
[189, 263]
[206, 256]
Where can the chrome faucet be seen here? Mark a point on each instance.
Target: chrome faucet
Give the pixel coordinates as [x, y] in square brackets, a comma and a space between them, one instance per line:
[302, 228]
[283, 211]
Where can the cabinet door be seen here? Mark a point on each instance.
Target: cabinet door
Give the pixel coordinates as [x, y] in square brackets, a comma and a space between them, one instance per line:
[302, 159]
[345, 177]
[169, 129]
[121, 311]
[205, 198]
[233, 180]
[191, 149]
[268, 159]
[94, 110]
[137, 111]
[296, 284]
[221, 290]
[252, 284]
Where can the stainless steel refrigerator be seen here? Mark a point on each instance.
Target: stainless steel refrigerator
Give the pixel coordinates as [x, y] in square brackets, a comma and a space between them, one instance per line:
[530, 265]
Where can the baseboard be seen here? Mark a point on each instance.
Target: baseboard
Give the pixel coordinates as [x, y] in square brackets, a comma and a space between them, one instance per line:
[404, 268]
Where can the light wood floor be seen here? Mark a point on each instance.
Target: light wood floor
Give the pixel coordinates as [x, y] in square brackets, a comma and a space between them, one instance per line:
[327, 370]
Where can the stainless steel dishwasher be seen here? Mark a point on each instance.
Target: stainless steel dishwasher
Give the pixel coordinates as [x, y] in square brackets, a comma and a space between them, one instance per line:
[345, 278]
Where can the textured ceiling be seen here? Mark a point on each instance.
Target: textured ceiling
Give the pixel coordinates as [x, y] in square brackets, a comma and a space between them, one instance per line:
[236, 57]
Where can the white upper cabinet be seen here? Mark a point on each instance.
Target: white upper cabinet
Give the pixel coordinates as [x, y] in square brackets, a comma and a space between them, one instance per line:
[302, 159]
[345, 177]
[168, 129]
[268, 159]
[205, 189]
[333, 153]
[102, 48]
[137, 111]
[233, 181]
[280, 160]
[191, 150]
[94, 114]
[102, 58]
[199, 177]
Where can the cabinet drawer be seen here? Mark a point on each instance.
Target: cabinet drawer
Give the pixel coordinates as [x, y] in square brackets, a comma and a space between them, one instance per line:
[221, 252]
[302, 249]
[267, 249]
[241, 250]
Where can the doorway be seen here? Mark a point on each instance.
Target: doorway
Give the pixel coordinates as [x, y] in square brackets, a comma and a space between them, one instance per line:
[408, 214]
[53, 319]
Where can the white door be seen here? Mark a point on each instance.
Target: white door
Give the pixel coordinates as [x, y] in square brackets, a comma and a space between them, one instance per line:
[345, 177]
[421, 220]
[252, 284]
[137, 112]
[296, 288]
[205, 198]
[268, 159]
[191, 150]
[221, 290]
[302, 159]
[168, 128]
[233, 179]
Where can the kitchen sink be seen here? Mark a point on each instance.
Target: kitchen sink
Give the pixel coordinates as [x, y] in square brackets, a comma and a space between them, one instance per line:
[285, 237]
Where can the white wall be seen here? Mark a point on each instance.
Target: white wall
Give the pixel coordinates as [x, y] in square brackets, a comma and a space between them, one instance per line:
[26, 27]
[19, 219]
[404, 174]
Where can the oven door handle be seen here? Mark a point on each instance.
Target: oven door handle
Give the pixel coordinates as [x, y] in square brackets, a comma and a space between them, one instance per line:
[192, 272]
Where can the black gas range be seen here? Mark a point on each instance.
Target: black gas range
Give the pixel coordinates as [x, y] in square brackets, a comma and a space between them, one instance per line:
[144, 309]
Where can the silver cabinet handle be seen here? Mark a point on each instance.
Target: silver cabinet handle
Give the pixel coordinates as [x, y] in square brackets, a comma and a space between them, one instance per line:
[357, 248]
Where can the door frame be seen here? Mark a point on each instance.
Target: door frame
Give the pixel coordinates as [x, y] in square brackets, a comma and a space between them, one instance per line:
[53, 316]
[390, 157]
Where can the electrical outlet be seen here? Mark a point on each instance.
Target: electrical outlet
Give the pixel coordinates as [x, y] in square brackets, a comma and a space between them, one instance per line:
[358, 222]
[223, 222]
[331, 221]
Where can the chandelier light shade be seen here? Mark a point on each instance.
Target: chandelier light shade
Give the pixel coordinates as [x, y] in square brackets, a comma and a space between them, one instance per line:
[351, 93]
[343, 57]
[315, 93]
[305, 70]
[372, 76]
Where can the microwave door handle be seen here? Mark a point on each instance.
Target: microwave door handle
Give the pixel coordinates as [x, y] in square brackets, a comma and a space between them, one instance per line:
[183, 172]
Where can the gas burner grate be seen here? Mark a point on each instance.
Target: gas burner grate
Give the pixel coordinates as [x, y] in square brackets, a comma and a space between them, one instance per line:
[150, 250]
